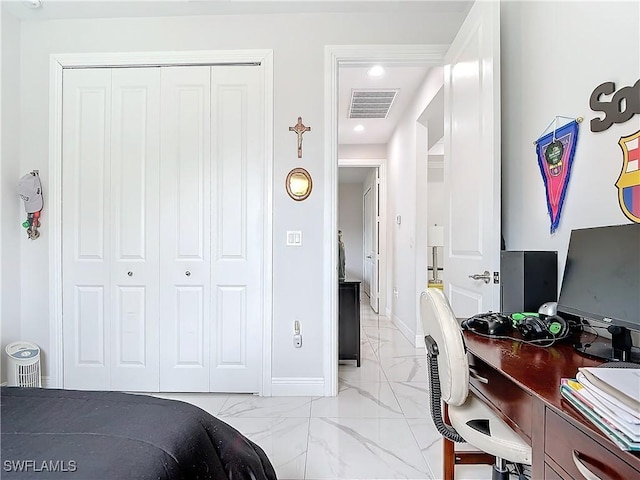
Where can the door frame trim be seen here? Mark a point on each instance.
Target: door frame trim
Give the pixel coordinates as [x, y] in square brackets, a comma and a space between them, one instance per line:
[381, 165]
[336, 56]
[57, 63]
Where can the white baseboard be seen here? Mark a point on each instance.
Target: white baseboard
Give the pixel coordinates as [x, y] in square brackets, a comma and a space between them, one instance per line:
[406, 331]
[297, 387]
[45, 382]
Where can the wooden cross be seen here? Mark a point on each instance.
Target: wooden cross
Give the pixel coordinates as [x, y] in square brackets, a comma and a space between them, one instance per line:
[299, 128]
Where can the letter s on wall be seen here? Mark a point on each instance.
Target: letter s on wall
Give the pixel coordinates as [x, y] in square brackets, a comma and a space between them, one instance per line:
[597, 124]
[621, 108]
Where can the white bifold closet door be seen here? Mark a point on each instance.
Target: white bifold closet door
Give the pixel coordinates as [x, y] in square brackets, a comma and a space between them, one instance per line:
[109, 224]
[162, 228]
[185, 281]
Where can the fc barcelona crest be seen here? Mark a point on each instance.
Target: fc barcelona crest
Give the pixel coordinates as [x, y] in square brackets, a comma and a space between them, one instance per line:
[629, 181]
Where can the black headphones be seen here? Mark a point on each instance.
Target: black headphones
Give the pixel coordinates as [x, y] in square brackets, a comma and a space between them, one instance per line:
[552, 327]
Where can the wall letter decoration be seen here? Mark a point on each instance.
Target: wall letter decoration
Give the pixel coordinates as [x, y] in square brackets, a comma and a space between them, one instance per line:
[624, 105]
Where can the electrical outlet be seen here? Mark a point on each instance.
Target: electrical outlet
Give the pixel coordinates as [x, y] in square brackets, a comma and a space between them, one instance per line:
[395, 292]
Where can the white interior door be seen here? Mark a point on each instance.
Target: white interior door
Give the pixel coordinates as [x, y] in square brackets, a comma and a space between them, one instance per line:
[185, 229]
[135, 162]
[86, 237]
[237, 215]
[371, 202]
[368, 241]
[472, 161]
[109, 228]
[374, 254]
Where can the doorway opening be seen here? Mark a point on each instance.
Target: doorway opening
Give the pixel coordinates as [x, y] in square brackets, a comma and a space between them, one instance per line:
[361, 222]
[337, 57]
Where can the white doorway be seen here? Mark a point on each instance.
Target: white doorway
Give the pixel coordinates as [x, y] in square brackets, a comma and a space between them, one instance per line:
[459, 100]
[338, 57]
[359, 220]
[430, 145]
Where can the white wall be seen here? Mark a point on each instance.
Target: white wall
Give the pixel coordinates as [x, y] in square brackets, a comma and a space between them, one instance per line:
[363, 151]
[407, 172]
[553, 56]
[298, 43]
[10, 204]
[351, 222]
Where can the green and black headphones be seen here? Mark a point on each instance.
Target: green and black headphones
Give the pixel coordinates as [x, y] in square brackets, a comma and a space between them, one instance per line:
[533, 326]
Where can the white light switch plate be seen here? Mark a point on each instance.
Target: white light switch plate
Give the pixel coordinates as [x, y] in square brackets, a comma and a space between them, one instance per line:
[294, 238]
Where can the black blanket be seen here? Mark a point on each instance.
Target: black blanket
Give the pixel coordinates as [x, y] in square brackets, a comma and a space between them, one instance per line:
[48, 433]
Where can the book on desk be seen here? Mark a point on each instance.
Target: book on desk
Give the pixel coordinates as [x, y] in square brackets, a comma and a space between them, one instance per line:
[608, 397]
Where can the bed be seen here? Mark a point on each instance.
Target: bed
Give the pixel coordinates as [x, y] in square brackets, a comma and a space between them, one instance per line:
[49, 433]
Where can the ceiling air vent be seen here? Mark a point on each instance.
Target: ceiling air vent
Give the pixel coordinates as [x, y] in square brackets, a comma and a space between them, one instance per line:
[371, 103]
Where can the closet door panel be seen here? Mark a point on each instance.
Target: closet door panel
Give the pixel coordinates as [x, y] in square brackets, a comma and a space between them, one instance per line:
[231, 315]
[89, 335]
[135, 167]
[185, 229]
[237, 214]
[86, 233]
[189, 327]
[131, 329]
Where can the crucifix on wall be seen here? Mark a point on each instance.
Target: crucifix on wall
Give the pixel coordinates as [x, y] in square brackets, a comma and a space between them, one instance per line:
[299, 128]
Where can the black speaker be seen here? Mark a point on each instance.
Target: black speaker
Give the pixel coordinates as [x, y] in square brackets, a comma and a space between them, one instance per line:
[527, 280]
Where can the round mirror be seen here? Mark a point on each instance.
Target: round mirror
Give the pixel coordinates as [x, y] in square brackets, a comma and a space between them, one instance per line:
[299, 184]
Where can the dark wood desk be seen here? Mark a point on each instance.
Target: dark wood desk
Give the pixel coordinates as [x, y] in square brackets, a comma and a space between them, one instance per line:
[524, 388]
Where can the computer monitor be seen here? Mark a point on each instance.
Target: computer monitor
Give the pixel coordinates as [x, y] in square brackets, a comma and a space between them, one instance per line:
[602, 283]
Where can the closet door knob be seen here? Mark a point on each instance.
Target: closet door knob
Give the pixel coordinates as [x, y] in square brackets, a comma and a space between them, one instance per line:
[130, 274]
[187, 273]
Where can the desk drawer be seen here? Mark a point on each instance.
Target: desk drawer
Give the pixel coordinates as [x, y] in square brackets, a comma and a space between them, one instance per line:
[513, 402]
[562, 439]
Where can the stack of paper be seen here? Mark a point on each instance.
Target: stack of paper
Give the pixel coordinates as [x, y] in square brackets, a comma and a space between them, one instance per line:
[610, 399]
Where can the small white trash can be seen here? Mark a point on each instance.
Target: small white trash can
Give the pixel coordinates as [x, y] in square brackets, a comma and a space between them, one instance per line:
[23, 365]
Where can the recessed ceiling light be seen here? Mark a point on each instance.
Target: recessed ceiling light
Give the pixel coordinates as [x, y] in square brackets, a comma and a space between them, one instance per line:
[358, 128]
[376, 71]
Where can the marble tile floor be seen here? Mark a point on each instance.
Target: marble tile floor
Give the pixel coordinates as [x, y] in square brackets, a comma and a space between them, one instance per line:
[378, 427]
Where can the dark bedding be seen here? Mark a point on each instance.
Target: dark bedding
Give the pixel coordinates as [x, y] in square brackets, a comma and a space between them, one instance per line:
[49, 433]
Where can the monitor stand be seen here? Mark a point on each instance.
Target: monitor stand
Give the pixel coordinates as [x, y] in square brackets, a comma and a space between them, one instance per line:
[620, 349]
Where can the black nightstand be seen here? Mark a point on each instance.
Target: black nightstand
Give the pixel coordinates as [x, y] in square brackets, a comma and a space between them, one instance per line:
[349, 321]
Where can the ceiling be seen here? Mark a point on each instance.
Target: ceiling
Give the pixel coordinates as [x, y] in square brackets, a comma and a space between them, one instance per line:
[64, 9]
[405, 79]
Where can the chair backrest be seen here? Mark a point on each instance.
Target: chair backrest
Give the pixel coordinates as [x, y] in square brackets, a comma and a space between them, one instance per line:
[439, 321]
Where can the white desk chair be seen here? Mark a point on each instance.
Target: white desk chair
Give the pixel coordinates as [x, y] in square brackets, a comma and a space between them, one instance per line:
[472, 421]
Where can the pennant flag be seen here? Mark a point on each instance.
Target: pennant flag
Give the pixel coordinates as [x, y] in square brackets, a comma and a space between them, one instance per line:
[555, 157]
[629, 181]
